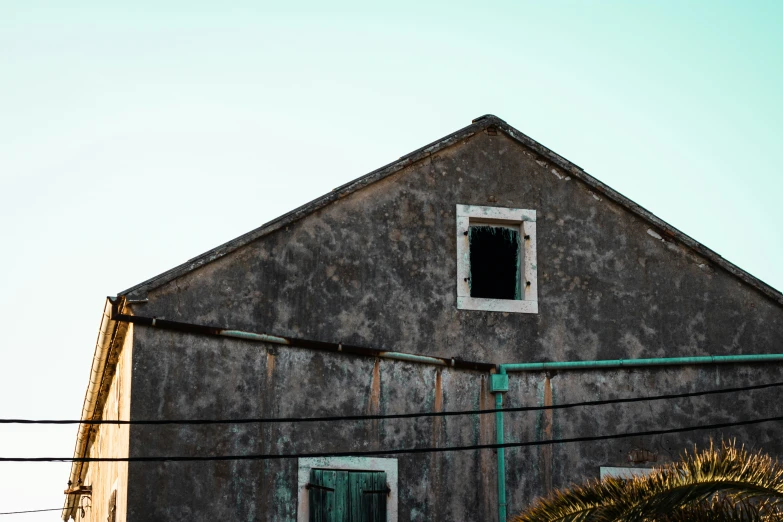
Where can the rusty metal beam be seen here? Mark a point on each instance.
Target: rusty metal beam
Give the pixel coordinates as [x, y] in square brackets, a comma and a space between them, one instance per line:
[301, 343]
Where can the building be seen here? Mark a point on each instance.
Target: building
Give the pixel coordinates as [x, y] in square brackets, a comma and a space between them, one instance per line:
[405, 291]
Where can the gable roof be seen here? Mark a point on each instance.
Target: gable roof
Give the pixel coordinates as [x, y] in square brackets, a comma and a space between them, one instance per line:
[480, 124]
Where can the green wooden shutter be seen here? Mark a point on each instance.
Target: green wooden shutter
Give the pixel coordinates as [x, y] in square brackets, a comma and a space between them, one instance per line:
[322, 495]
[341, 506]
[374, 497]
[347, 496]
[367, 496]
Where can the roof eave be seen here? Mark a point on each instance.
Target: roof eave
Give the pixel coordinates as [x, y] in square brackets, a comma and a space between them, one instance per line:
[96, 390]
[478, 125]
[140, 290]
[667, 231]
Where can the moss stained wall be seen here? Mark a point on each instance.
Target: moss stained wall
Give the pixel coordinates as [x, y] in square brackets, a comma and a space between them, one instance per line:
[378, 268]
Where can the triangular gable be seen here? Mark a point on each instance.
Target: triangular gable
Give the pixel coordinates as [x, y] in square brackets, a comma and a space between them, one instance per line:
[481, 124]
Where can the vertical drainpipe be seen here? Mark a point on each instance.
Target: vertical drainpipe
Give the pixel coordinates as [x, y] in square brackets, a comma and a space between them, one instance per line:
[498, 384]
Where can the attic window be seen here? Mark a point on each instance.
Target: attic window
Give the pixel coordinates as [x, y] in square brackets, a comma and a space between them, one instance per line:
[496, 259]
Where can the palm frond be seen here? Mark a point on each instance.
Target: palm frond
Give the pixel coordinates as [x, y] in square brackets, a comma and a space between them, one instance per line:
[724, 509]
[728, 480]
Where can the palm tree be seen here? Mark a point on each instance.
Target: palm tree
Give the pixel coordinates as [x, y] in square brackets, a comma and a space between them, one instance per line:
[716, 485]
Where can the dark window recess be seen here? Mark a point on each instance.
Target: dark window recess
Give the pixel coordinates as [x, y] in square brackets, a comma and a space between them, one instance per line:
[347, 496]
[494, 262]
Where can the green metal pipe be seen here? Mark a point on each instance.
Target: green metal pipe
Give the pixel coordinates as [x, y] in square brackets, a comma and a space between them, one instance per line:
[249, 336]
[399, 356]
[500, 437]
[599, 365]
[300, 343]
[632, 363]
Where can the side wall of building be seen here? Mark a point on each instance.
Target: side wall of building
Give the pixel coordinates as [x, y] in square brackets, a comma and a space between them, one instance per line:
[378, 268]
[185, 370]
[272, 381]
[111, 478]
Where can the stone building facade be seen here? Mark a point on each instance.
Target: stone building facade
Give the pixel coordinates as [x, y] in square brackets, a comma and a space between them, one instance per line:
[401, 292]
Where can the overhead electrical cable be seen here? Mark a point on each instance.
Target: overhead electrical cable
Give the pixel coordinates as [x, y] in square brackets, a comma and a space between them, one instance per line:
[207, 458]
[255, 420]
[30, 511]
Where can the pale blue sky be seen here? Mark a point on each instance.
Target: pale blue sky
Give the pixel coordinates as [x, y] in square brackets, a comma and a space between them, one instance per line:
[134, 137]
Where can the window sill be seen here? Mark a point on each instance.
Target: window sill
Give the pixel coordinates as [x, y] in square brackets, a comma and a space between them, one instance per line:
[497, 305]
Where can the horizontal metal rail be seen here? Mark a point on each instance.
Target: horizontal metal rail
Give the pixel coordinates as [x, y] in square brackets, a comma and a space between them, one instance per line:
[637, 363]
[302, 343]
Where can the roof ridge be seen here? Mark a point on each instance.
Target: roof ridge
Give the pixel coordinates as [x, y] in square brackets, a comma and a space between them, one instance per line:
[478, 124]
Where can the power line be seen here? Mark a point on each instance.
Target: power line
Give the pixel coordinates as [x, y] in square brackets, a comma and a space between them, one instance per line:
[395, 451]
[385, 452]
[30, 511]
[254, 420]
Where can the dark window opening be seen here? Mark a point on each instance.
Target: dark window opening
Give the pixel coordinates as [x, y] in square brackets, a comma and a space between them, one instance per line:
[494, 262]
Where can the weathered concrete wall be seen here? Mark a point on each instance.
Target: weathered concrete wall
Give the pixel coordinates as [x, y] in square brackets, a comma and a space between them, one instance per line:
[112, 441]
[535, 471]
[378, 268]
[187, 372]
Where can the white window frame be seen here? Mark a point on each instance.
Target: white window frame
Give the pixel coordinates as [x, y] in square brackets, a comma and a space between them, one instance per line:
[389, 466]
[623, 472]
[468, 215]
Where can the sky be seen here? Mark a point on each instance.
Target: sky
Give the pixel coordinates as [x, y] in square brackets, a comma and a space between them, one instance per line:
[134, 137]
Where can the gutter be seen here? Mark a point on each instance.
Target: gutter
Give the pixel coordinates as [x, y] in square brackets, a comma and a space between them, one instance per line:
[499, 385]
[106, 334]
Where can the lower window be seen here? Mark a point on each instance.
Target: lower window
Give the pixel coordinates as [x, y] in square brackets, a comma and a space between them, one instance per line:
[347, 496]
[624, 473]
[347, 489]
